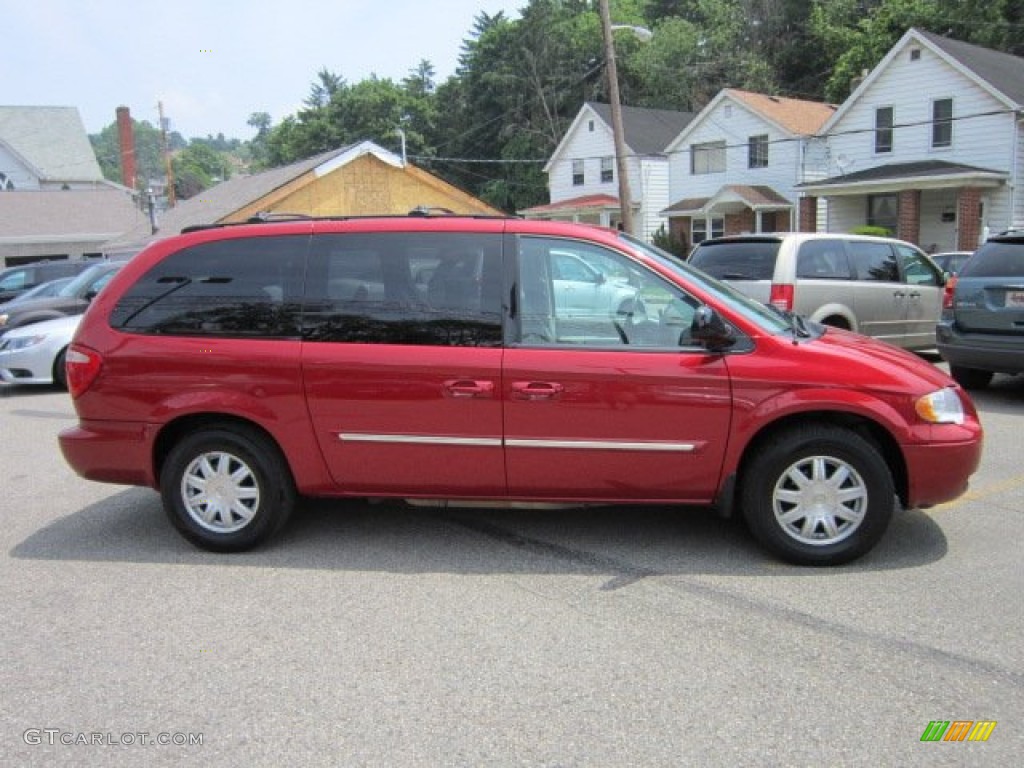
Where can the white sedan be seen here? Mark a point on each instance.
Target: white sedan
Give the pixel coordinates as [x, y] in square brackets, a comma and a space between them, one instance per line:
[34, 354]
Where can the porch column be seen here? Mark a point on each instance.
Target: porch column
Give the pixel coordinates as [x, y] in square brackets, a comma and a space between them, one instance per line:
[808, 214]
[968, 218]
[908, 219]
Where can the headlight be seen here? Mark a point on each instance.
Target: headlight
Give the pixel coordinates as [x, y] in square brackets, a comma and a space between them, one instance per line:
[11, 344]
[941, 407]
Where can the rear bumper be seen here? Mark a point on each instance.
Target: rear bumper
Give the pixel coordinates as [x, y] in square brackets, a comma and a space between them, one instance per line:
[986, 352]
[110, 452]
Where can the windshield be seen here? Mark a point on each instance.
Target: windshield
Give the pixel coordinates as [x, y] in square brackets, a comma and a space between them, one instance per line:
[81, 283]
[766, 318]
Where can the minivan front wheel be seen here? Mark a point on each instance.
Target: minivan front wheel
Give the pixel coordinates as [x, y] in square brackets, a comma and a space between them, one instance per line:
[818, 495]
[227, 488]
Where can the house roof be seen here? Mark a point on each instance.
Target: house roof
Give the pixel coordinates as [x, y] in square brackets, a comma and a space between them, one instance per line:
[924, 173]
[757, 197]
[231, 197]
[797, 116]
[88, 214]
[585, 202]
[51, 141]
[646, 131]
[1003, 71]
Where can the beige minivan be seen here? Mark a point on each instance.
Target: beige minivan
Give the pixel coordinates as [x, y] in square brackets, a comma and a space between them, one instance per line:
[876, 286]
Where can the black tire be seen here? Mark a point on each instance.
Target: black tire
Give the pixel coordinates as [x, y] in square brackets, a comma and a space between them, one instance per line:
[809, 524]
[60, 373]
[970, 378]
[254, 490]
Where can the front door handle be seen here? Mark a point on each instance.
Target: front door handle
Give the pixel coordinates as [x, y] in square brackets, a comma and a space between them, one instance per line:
[468, 388]
[536, 390]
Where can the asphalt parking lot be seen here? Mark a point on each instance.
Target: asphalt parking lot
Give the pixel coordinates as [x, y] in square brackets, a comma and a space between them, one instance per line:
[383, 635]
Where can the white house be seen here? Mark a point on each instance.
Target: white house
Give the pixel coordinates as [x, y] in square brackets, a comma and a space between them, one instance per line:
[582, 184]
[54, 201]
[736, 166]
[929, 146]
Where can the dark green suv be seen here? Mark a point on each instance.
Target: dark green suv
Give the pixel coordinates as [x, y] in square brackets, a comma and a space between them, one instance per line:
[981, 331]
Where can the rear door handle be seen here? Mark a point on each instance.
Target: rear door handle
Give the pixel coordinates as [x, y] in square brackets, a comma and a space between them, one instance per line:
[536, 390]
[468, 388]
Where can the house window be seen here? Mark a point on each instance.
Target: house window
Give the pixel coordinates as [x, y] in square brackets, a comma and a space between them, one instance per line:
[707, 158]
[590, 126]
[915, 54]
[577, 173]
[757, 151]
[703, 228]
[883, 129]
[607, 169]
[883, 211]
[942, 123]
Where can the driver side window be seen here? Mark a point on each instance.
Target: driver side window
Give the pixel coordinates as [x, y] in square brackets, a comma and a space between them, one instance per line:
[578, 294]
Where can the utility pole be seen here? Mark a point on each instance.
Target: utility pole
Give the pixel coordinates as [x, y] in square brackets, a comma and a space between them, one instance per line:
[167, 155]
[625, 196]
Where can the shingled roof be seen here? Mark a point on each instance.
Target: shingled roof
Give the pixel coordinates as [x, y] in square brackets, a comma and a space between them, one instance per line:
[647, 131]
[1003, 71]
[51, 141]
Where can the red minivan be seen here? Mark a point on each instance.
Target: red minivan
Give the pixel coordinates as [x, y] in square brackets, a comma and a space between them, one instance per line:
[237, 367]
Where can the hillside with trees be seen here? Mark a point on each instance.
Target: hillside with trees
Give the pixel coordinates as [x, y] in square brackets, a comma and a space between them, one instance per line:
[490, 127]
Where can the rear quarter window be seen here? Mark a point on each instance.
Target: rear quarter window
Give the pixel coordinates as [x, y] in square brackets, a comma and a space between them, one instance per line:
[823, 260]
[737, 261]
[241, 288]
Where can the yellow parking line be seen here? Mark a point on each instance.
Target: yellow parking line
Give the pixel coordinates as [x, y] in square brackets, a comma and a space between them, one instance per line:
[985, 492]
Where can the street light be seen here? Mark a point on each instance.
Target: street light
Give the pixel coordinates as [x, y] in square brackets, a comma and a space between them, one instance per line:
[644, 34]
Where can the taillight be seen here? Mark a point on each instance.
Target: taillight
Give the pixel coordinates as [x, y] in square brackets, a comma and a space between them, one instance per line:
[83, 366]
[781, 297]
[947, 293]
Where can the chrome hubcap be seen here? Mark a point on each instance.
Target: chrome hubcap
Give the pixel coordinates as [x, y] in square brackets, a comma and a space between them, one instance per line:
[820, 500]
[220, 492]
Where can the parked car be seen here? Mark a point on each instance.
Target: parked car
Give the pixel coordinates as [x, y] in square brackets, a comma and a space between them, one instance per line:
[18, 279]
[234, 369]
[34, 354]
[982, 328]
[41, 291]
[72, 299]
[950, 262]
[876, 286]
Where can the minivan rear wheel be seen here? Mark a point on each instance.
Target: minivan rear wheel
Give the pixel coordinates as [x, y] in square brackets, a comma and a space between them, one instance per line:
[818, 495]
[970, 378]
[226, 488]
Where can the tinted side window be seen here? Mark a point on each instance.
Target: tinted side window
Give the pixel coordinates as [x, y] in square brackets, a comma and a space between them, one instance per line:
[823, 260]
[917, 270]
[236, 288]
[874, 261]
[737, 261]
[996, 259]
[427, 288]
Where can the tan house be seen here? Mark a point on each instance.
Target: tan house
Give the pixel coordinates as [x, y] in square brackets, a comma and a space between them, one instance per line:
[363, 179]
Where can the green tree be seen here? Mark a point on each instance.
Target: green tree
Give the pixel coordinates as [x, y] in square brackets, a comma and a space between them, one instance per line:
[198, 167]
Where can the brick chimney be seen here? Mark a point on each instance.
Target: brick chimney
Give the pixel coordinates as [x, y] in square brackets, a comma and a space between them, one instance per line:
[126, 138]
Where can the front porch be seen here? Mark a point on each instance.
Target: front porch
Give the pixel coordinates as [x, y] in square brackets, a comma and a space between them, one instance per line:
[734, 209]
[936, 205]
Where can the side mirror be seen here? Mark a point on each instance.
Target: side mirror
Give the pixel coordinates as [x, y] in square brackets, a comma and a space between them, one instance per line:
[709, 329]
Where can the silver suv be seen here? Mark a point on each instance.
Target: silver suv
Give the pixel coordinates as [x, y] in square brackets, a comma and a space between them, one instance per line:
[876, 286]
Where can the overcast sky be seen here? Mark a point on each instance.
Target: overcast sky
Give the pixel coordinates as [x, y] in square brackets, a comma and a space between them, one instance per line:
[215, 62]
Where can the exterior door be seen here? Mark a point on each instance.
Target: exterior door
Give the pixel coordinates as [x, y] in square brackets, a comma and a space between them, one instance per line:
[601, 406]
[402, 362]
[880, 302]
[924, 284]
